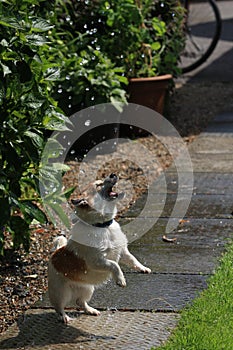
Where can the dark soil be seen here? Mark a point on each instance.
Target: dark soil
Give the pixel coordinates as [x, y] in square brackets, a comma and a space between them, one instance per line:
[23, 277]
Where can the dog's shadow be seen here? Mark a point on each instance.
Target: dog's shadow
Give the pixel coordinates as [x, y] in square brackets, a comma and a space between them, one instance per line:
[41, 329]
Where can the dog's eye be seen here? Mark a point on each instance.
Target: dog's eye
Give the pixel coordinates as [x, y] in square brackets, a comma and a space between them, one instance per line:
[99, 183]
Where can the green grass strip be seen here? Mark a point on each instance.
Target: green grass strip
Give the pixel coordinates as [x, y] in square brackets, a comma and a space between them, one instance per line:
[208, 323]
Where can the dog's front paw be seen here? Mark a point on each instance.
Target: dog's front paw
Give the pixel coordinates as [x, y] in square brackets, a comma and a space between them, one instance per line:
[145, 269]
[121, 282]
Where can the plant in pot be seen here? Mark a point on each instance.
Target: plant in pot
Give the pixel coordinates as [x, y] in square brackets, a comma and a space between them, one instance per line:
[143, 38]
[146, 38]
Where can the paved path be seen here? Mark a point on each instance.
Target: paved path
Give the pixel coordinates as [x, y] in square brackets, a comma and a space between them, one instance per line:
[142, 315]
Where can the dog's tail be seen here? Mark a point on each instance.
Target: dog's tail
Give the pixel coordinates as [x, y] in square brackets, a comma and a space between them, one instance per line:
[59, 242]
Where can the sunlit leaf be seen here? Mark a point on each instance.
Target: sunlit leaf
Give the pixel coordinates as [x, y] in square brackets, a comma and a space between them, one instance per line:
[60, 212]
[40, 25]
[35, 39]
[36, 139]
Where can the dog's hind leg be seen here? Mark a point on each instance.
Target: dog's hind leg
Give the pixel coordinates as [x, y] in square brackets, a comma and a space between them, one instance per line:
[84, 294]
[60, 293]
[59, 300]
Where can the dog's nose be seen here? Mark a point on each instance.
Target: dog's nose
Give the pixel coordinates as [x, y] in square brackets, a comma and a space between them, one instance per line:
[112, 176]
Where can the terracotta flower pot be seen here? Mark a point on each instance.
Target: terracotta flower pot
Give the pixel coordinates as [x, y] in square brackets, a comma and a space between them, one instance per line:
[149, 92]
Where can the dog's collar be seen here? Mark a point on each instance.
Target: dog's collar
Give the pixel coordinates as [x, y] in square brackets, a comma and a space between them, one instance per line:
[104, 224]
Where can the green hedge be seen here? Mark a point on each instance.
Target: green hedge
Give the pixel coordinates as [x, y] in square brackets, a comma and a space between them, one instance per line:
[47, 71]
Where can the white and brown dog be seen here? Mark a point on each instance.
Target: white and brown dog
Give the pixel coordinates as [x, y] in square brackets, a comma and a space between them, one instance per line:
[90, 257]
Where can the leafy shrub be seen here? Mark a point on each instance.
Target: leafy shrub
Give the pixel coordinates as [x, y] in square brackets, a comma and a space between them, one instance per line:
[87, 75]
[27, 110]
[46, 69]
[144, 37]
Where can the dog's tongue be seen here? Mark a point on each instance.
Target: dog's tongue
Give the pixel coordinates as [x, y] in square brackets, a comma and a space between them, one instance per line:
[113, 194]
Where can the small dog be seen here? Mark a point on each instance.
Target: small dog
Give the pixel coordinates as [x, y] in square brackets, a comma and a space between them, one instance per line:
[90, 257]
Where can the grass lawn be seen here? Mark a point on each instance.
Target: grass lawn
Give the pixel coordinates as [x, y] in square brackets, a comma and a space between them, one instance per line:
[208, 323]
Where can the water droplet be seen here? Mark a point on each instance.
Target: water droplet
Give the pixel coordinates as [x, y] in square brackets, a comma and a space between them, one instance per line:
[59, 91]
[87, 122]
[87, 89]
[92, 98]
[72, 151]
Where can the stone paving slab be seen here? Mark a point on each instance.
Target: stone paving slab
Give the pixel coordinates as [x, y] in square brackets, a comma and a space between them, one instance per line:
[212, 144]
[153, 292]
[201, 206]
[182, 259]
[119, 330]
[158, 292]
[220, 128]
[226, 117]
[204, 183]
[210, 206]
[197, 249]
[208, 162]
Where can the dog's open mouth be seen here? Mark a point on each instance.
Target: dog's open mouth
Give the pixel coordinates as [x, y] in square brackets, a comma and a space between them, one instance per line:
[113, 194]
[107, 191]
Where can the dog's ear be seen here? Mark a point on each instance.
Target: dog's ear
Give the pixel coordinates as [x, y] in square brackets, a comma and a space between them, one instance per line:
[80, 202]
[121, 196]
